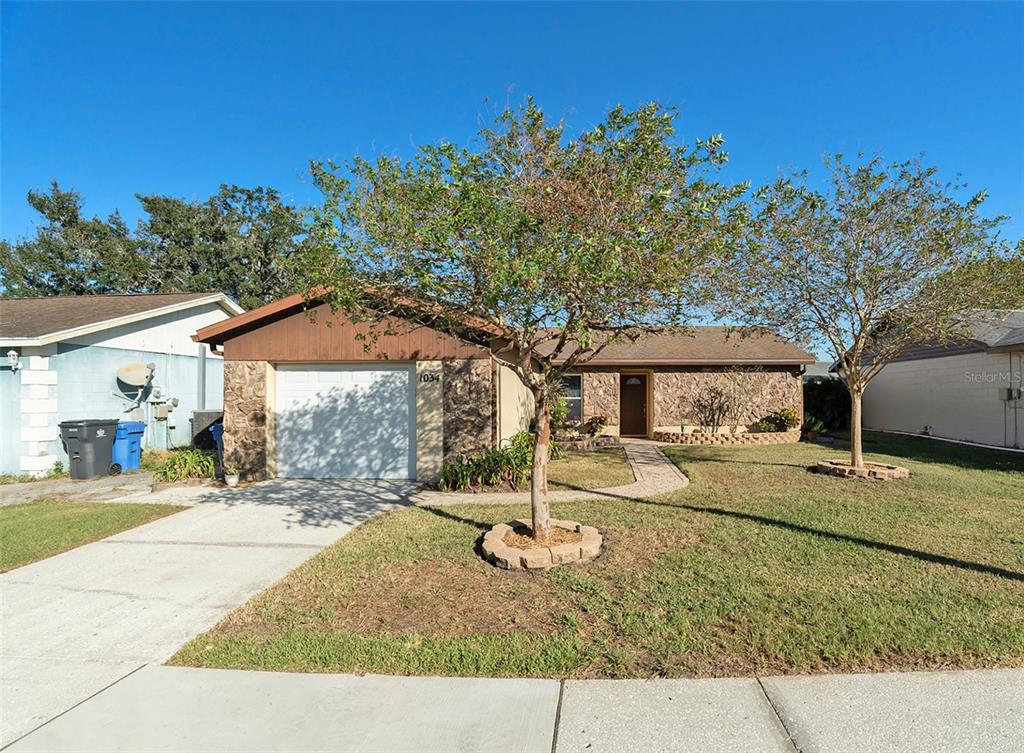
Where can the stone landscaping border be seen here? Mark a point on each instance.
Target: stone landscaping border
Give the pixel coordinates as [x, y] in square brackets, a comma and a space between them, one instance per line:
[500, 554]
[589, 443]
[878, 471]
[738, 439]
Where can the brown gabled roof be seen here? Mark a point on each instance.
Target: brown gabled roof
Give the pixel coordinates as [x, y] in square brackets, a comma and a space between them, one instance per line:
[39, 317]
[699, 346]
[216, 334]
[702, 346]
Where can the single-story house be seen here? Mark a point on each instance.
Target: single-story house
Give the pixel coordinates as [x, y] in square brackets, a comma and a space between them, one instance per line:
[968, 390]
[315, 398]
[105, 356]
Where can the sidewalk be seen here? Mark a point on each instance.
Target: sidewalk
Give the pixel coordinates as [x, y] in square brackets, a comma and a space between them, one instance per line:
[179, 709]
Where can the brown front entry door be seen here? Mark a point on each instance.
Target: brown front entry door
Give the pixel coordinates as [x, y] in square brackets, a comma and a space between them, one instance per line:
[633, 405]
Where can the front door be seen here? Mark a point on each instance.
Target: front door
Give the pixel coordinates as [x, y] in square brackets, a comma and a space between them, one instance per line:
[633, 405]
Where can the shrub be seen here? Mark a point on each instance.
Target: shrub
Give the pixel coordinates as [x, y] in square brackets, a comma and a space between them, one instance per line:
[813, 424]
[828, 400]
[712, 407]
[510, 464]
[783, 419]
[559, 413]
[593, 425]
[188, 463]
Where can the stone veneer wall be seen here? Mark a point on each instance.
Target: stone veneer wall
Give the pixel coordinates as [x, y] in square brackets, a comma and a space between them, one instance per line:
[468, 406]
[601, 395]
[763, 391]
[245, 417]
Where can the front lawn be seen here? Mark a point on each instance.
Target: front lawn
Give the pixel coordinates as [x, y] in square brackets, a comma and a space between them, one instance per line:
[35, 530]
[590, 469]
[758, 567]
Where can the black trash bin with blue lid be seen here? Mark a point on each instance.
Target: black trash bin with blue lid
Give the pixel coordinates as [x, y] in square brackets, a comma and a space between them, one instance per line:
[127, 452]
[89, 444]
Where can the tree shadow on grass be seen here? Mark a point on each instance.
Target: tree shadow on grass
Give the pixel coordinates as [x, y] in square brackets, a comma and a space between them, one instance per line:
[442, 513]
[936, 559]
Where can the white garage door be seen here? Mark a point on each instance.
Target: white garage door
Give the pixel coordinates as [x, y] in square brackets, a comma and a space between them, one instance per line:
[346, 421]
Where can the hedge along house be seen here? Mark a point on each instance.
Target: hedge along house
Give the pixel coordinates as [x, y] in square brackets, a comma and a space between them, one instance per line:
[60, 357]
[321, 397]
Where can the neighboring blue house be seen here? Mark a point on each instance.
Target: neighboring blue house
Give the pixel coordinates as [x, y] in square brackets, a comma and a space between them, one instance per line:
[60, 359]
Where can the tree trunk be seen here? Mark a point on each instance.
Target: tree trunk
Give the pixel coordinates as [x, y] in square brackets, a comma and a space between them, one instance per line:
[856, 443]
[539, 480]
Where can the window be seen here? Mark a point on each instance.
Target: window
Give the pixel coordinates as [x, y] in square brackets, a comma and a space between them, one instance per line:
[572, 384]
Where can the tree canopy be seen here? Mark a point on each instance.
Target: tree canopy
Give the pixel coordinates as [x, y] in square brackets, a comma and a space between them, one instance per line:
[554, 245]
[239, 242]
[885, 258]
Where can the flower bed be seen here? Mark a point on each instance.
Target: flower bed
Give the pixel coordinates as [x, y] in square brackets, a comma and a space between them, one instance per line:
[739, 438]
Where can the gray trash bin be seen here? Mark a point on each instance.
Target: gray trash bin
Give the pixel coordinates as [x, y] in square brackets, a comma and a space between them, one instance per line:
[88, 443]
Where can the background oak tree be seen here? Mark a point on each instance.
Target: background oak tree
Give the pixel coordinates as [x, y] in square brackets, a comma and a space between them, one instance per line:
[238, 241]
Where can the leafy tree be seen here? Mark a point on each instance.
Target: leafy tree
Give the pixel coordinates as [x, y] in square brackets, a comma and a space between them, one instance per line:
[70, 254]
[885, 259]
[552, 247]
[238, 241]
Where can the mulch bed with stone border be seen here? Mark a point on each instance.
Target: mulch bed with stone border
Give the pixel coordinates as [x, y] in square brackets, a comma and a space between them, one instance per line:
[570, 542]
[877, 471]
[736, 439]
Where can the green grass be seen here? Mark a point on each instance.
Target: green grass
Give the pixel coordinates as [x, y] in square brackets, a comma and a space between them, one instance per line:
[590, 469]
[35, 530]
[758, 567]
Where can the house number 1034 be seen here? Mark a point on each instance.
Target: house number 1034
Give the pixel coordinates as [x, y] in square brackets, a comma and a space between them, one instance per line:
[429, 377]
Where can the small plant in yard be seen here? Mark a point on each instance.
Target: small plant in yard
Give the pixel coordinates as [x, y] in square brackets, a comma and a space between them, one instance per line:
[783, 419]
[711, 406]
[813, 426]
[559, 414]
[510, 464]
[829, 401]
[188, 463]
[594, 425]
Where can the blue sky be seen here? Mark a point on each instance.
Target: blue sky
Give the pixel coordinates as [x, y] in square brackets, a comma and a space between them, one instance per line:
[118, 99]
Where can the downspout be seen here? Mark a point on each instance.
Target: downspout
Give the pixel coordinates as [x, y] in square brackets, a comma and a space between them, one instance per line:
[201, 379]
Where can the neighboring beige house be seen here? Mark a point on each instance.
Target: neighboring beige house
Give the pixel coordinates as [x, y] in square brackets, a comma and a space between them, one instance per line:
[969, 391]
[306, 400]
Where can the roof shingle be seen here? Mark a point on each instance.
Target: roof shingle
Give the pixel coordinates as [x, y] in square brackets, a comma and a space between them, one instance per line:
[37, 317]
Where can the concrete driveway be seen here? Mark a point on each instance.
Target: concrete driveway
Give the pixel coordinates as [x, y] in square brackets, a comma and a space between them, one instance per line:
[75, 623]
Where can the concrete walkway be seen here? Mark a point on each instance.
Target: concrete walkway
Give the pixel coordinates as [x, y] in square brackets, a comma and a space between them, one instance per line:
[163, 708]
[79, 621]
[653, 471]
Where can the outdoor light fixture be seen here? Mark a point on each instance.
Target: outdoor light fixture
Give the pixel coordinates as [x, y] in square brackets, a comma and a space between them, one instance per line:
[12, 360]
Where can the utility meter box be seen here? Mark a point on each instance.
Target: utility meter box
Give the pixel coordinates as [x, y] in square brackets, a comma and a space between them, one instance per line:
[1007, 394]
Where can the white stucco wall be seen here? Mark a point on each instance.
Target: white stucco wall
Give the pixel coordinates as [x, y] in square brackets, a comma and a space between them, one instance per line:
[515, 404]
[957, 396]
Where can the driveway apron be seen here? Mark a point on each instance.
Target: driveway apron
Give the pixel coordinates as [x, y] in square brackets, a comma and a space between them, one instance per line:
[75, 623]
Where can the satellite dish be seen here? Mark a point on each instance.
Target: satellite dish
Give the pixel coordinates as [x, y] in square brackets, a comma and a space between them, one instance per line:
[136, 374]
